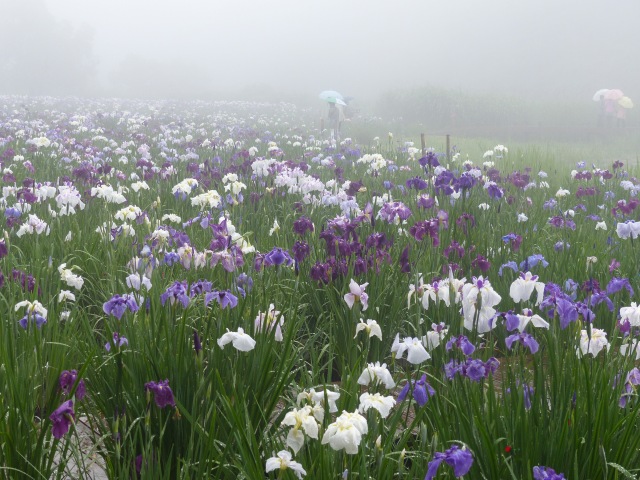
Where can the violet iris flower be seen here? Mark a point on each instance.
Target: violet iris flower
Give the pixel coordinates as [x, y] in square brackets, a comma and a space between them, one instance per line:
[525, 339]
[224, 298]
[118, 304]
[61, 418]
[67, 381]
[421, 391]
[162, 394]
[118, 341]
[459, 458]
[463, 343]
[177, 291]
[546, 473]
[566, 311]
[303, 225]
[278, 256]
[200, 287]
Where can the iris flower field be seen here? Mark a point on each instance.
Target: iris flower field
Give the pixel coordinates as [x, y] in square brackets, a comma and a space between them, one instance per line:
[219, 290]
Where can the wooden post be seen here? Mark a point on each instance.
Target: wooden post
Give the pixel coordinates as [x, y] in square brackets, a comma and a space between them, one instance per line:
[424, 145]
[448, 148]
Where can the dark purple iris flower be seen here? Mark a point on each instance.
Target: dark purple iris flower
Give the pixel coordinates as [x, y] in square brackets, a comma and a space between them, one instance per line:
[162, 394]
[118, 304]
[430, 159]
[416, 183]
[454, 247]
[481, 263]
[421, 391]
[300, 250]
[405, 265]
[460, 459]
[463, 343]
[68, 379]
[302, 226]
[61, 418]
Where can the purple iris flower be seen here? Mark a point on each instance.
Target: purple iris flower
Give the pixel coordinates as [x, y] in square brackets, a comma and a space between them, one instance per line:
[303, 225]
[177, 291]
[494, 191]
[514, 240]
[566, 311]
[33, 316]
[512, 265]
[118, 340]
[171, 258]
[474, 370]
[405, 265]
[224, 298]
[481, 263]
[118, 304]
[460, 459]
[512, 321]
[301, 251]
[632, 381]
[416, 183]
[525, 339]
[61, 419]
[162, 393]
[68, 379]
[244, 284]
[462, 343]
[426, 202]
[430, 159]
[200, 287]
[532, 261]
[616, 284]
[278, 256]
[421, 391]
[12, 212]
[546, 473]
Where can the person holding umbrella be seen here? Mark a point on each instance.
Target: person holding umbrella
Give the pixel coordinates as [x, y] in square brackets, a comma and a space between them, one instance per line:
[335, 114]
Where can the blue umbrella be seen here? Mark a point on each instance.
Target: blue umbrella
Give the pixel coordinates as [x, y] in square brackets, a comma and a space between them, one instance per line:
[329, 95]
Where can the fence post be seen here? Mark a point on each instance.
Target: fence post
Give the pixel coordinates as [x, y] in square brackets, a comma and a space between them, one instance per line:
[424, 145]
[448, 148]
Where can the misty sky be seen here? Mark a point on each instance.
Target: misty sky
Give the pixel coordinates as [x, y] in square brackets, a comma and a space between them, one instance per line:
[546, 48]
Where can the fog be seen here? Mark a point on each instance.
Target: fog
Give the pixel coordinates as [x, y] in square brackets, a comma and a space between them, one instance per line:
[293, 49]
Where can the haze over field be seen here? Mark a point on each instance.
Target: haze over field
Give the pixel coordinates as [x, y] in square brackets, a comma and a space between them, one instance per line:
[197, 48]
